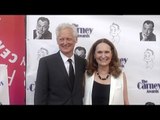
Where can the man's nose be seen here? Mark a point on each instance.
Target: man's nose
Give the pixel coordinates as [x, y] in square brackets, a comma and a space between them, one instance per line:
[64, 41]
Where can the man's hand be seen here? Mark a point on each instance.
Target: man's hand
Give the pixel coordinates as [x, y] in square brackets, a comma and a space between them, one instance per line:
[38, 35]
[144, 37]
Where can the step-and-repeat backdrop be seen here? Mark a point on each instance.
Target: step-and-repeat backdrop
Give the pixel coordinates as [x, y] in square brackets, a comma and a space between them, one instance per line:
[139, 59]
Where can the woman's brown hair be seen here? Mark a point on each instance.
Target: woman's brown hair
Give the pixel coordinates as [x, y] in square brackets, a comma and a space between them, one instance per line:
[114, 66]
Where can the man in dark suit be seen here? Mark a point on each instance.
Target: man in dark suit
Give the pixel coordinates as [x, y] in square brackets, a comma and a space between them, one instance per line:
[147, 31]
[53, 86]
[42, 29]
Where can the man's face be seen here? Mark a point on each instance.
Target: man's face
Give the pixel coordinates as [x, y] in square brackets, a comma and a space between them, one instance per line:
[66, 41]
[114, 30]
[148, 56]
[147, 29]
[42, 26]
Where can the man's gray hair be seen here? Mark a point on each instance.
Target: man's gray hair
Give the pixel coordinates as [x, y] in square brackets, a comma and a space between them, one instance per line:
[66, 25]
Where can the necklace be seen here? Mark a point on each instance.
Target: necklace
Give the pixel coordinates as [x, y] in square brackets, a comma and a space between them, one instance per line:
[103, 78]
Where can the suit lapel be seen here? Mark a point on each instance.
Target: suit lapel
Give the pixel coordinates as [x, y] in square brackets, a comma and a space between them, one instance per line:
[77, 63]
[62, 67]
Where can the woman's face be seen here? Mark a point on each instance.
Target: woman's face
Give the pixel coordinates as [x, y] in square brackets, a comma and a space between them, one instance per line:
[103, 54]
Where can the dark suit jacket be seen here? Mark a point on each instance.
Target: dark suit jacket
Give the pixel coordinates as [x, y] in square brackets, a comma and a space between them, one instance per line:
[151, 37]
[46, 35]
[52, 84]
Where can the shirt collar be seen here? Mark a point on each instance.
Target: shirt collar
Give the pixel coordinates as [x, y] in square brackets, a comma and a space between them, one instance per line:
[65, 58]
